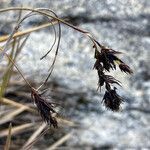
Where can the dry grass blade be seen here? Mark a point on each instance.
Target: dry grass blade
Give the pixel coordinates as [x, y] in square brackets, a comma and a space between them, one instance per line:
[11, 115]
[5, 80]
[8, 141]
[15, 50]
[28, 147]
[17, 129]
[8, 71]
[66, 122]
[4, 111]
[21, 33]
[35, 135]
[16, 104]
[60, 141]
[21, 45]
[27, 108]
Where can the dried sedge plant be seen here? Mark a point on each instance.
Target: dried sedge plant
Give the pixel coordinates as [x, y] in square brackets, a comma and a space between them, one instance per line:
[106, 60]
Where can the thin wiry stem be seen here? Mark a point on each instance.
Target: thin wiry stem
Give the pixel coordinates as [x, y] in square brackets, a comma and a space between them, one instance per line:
[54, 32]
[8, 41]
[29, 146]
[41, 11]
[12, 34]
[56, 18]
[52, 44]
[18, 69]
[17, 27]
[57, 48]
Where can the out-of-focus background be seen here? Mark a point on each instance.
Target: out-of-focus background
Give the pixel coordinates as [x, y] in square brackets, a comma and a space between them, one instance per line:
[123, 25]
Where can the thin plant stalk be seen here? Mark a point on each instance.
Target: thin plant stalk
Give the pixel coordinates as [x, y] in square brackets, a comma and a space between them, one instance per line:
[18, 69]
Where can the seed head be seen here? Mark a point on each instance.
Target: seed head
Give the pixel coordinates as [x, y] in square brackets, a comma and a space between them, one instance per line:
[112, 100]
[125, 68]
[106, 60]
[45, 109]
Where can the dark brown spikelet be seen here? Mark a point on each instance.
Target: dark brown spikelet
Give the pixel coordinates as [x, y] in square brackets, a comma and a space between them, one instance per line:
[112, 100]
[107, 60]
[108, 79]
[125, 68]
[45, 109]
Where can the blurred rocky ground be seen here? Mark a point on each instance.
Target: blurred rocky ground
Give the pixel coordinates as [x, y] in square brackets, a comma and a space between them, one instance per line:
[121, 25]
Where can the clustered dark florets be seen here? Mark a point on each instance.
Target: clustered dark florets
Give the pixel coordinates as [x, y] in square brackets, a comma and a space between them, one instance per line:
[45, 108]
[107, 60]
[112, 100]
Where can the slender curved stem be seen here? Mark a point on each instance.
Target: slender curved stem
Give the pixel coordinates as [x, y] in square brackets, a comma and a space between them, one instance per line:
[44, 13]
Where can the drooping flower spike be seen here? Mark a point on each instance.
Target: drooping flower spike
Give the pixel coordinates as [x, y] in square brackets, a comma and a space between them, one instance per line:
[107, 60]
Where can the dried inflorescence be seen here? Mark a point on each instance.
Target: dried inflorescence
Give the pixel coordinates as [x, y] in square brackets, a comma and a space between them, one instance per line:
[46, 109]
[107, 60]
[112, 100]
